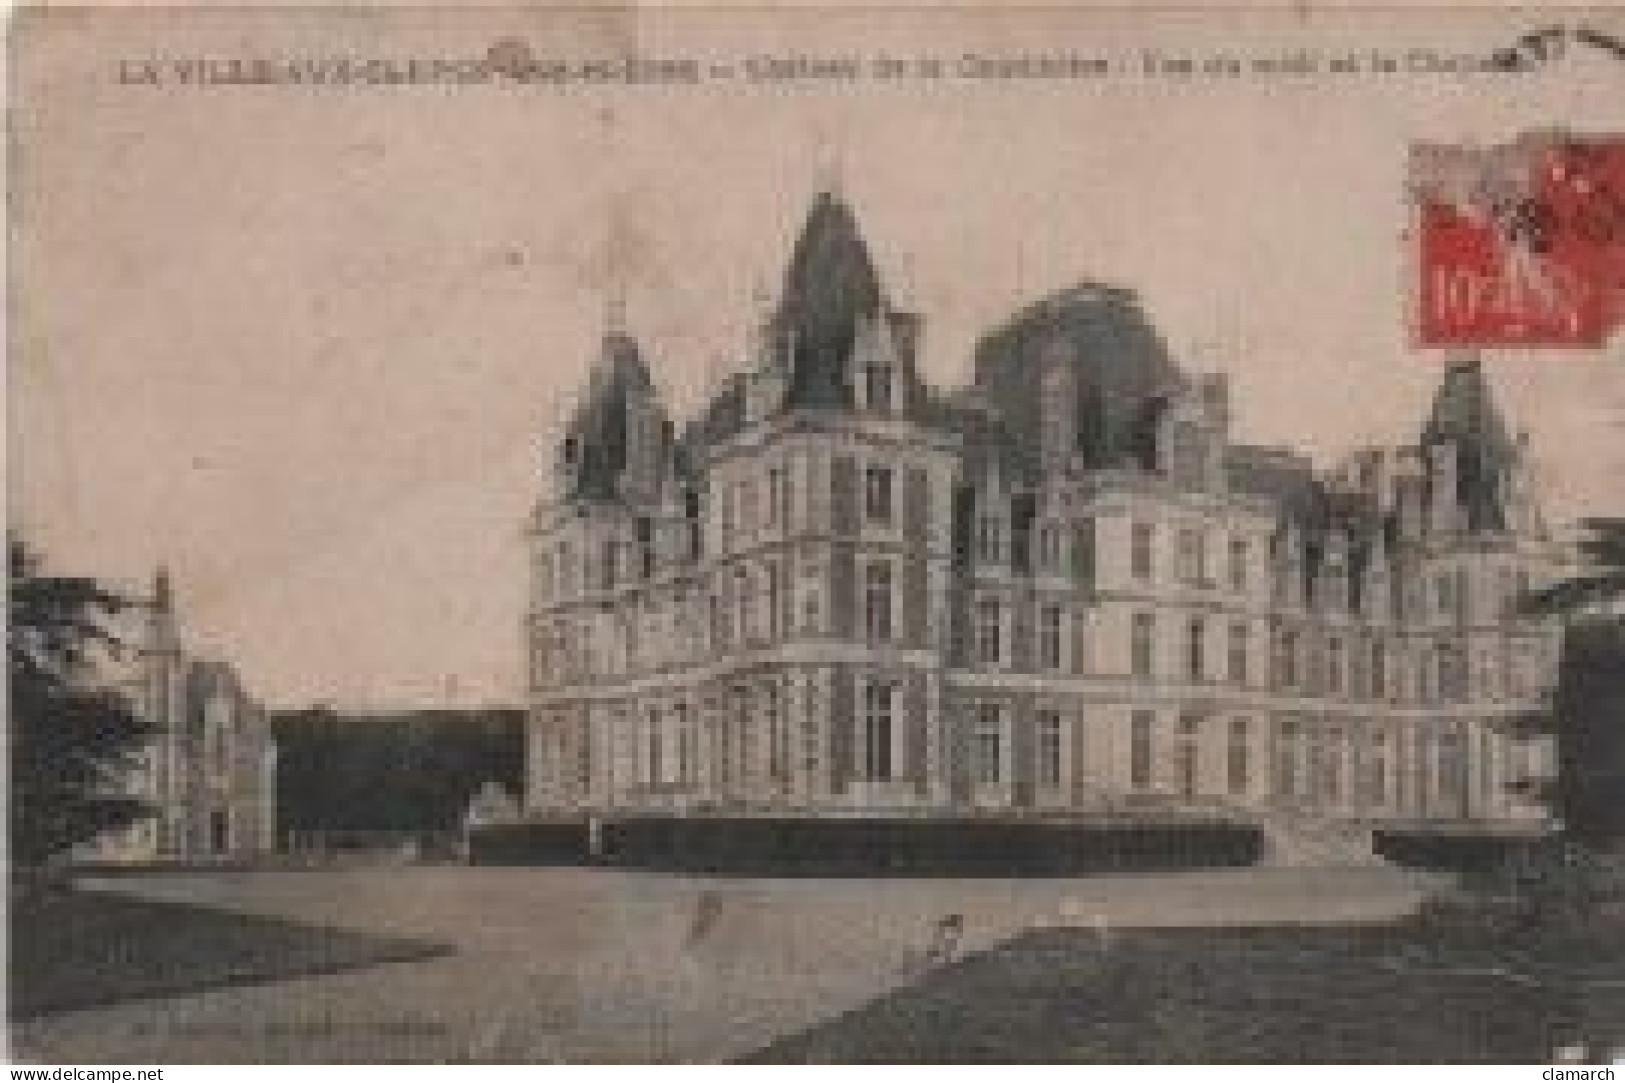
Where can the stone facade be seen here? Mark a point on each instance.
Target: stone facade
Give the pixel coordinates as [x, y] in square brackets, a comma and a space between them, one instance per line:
[1058, 591]
[208, 771]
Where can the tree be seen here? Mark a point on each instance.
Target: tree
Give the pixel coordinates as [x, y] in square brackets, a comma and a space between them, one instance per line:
[1602, 581]
[1590, 789]
[73, 735]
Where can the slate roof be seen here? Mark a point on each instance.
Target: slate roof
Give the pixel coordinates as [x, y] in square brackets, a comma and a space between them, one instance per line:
[1123, 370]
[1464, 413]
[597, 434]
[829, 286]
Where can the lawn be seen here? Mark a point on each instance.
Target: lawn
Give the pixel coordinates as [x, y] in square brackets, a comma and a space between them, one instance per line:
[1384, 994]
[78, 949]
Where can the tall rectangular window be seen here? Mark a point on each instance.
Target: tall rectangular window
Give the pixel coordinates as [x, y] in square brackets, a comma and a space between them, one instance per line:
[989, 539]
[1187, 754]
[877, 495]
[1238, 564]
[1379, 767]
[989, 632]
[777, 754]
[692, 514]
[730, 513]
[877, 601]
[1083, 551]
[775, 496]
[1050, 548]
[567, 569]
[1196, 649]
[646, 547]
[1379, 670]
[1188, 552]
[775, 600]
[1452, 664]
[877, 731]
[1286, 658]
[544, 577]
[987, 745]
[1334, 666]
[1140, 557]
[1237, 767]
[1452, 769]
[1139, 765]
[1049, 750]
[655, 769]
[1050, 618]
[1238, 653]
[743, 624]
[1142, 645]
[1287, 747]
[685, 743]
[1330, 744]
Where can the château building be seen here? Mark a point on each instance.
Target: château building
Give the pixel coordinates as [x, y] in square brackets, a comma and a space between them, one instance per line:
[207, 771]
[1059, 591]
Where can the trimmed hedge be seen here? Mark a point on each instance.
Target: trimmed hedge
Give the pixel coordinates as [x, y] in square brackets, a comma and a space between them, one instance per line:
[859, 847]
[1445, 852]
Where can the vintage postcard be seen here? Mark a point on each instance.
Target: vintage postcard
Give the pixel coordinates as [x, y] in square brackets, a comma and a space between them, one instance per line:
[824, 535]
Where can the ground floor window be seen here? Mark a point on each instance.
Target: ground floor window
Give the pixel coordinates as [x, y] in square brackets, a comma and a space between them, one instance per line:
[1420, 759]
[878, 699]
[1188, 754]
[987, 745]
[1329, 749]
[1377, 768]
[1286, 757]
[777, 737]
[656, 768]
[1452, 769]
[1139, 766]
[1236, 765]
[1050, 745]
[219, 830]
[811, 735]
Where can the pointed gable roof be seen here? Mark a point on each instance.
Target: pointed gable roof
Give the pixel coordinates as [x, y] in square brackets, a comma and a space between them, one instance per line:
[1464, 414]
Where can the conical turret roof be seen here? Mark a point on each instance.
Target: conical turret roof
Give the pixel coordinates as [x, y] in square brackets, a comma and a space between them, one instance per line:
[830, 286]
[1464, 414]
[596, 441]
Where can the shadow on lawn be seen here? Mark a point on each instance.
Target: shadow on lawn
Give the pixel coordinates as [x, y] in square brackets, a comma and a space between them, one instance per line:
[1368, 994]
[73, 949]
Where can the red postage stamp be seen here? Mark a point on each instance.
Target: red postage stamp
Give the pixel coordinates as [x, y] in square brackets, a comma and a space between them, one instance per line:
[1520, 244]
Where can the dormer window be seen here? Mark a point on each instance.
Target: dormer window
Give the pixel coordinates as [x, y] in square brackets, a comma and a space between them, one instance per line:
[1184, 459]
[877, 380]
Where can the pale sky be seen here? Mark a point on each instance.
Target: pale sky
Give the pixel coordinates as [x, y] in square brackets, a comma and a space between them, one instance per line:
[312, 346]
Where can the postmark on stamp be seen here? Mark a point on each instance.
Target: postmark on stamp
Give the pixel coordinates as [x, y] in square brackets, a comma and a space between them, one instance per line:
[1520, 244]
